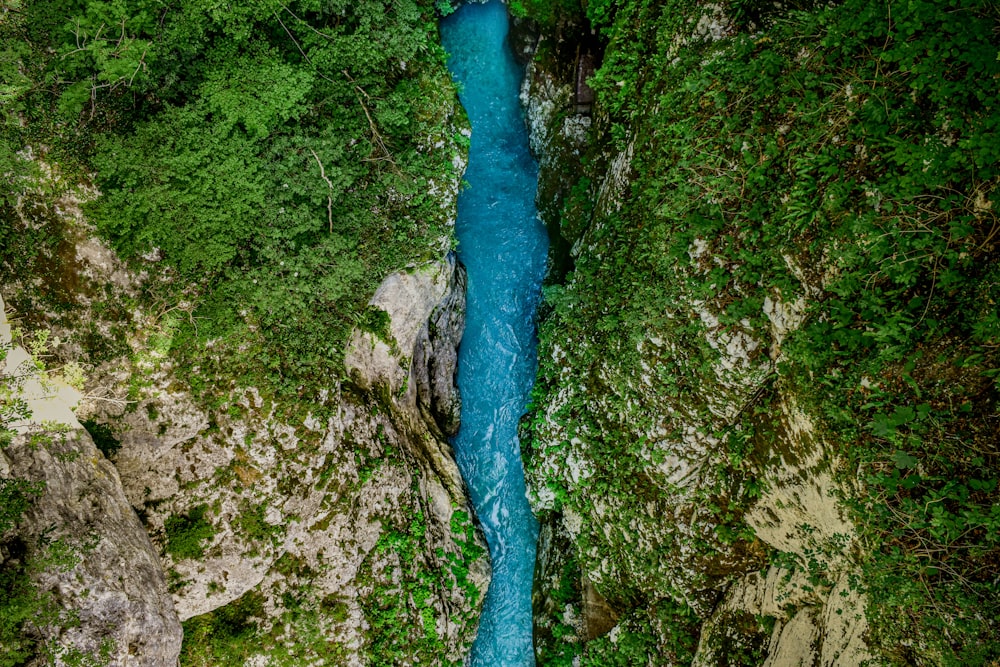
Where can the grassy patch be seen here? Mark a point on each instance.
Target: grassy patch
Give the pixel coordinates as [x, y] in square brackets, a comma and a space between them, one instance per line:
[186, 534]
[221, 637]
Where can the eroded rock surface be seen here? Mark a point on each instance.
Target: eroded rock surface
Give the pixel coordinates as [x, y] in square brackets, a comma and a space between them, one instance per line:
[657, 489]
[315, 503]
[100, 566]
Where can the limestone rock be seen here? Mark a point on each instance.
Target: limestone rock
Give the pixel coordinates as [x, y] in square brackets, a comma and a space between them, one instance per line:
[109, 576]
[408, 298]
[315, 492]
[798, 512]
[435, 357]
[813, 626]
[116, 586]
[415, 370]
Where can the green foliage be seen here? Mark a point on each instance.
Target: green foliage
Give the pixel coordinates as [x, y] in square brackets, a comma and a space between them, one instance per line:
[740, 638]
[187, 533]
[638, 638]
[392, 612]
[16, 496]
[253, 525]
[278, 157]
[401, 605]
[20, 604]
[23, 606]
[298, 629]
[463, 531]
[221, 637]
[845, 153]
[199, 182]
[258, 91]
[377, 321]
[547, 13]
[20, 600]
[444, 7]
[14, 87]
[555, 640]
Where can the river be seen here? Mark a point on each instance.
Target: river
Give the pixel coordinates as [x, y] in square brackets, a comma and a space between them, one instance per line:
[503, 245]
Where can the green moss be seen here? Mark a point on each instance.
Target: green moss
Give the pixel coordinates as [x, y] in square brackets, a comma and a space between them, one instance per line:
[375, 320]
[186, 534]
[663, 633]
[20, 603]
[556, 642]
[336, 608]
[223, 637]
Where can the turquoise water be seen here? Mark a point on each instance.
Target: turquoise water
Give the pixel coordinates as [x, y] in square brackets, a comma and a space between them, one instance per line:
[503, 245]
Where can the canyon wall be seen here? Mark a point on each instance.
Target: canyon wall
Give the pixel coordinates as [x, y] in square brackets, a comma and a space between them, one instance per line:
[732, 445]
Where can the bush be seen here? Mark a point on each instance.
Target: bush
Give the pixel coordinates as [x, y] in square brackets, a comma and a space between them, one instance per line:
[186, 534]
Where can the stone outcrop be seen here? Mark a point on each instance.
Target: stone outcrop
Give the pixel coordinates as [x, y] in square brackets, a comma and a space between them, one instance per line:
[813, 626]
[646, 525]
[320, 492]
[435, 358]
[426, 311]
[98, 563]
[309, 516]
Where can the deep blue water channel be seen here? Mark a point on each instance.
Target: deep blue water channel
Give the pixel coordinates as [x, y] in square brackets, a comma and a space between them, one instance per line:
[503, 245]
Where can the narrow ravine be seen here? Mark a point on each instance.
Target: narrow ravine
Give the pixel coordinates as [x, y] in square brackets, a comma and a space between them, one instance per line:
[503, 245]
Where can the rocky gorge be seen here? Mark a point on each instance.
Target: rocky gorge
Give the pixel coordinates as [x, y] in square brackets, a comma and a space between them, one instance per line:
[720, 436]
[763, 429]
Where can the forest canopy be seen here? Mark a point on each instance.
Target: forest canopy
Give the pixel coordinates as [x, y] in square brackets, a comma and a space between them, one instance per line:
[276, 155]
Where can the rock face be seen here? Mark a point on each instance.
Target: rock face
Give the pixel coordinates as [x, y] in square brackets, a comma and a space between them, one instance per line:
[102, 568]
[426, 311]
[647, 506]
[426, 315]
[811, 627]
[331, 528]
[320, 504]
[435, 358]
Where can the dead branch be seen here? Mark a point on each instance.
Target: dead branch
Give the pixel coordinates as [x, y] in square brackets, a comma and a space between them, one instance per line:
[376, 135]
[329, 194]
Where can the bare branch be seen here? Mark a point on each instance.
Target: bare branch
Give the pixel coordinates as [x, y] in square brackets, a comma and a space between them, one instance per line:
[329, 194]
[297, 46]
[376, 135]
[306, 23]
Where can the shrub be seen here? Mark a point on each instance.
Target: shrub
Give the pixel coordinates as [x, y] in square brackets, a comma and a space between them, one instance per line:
[186, 534]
